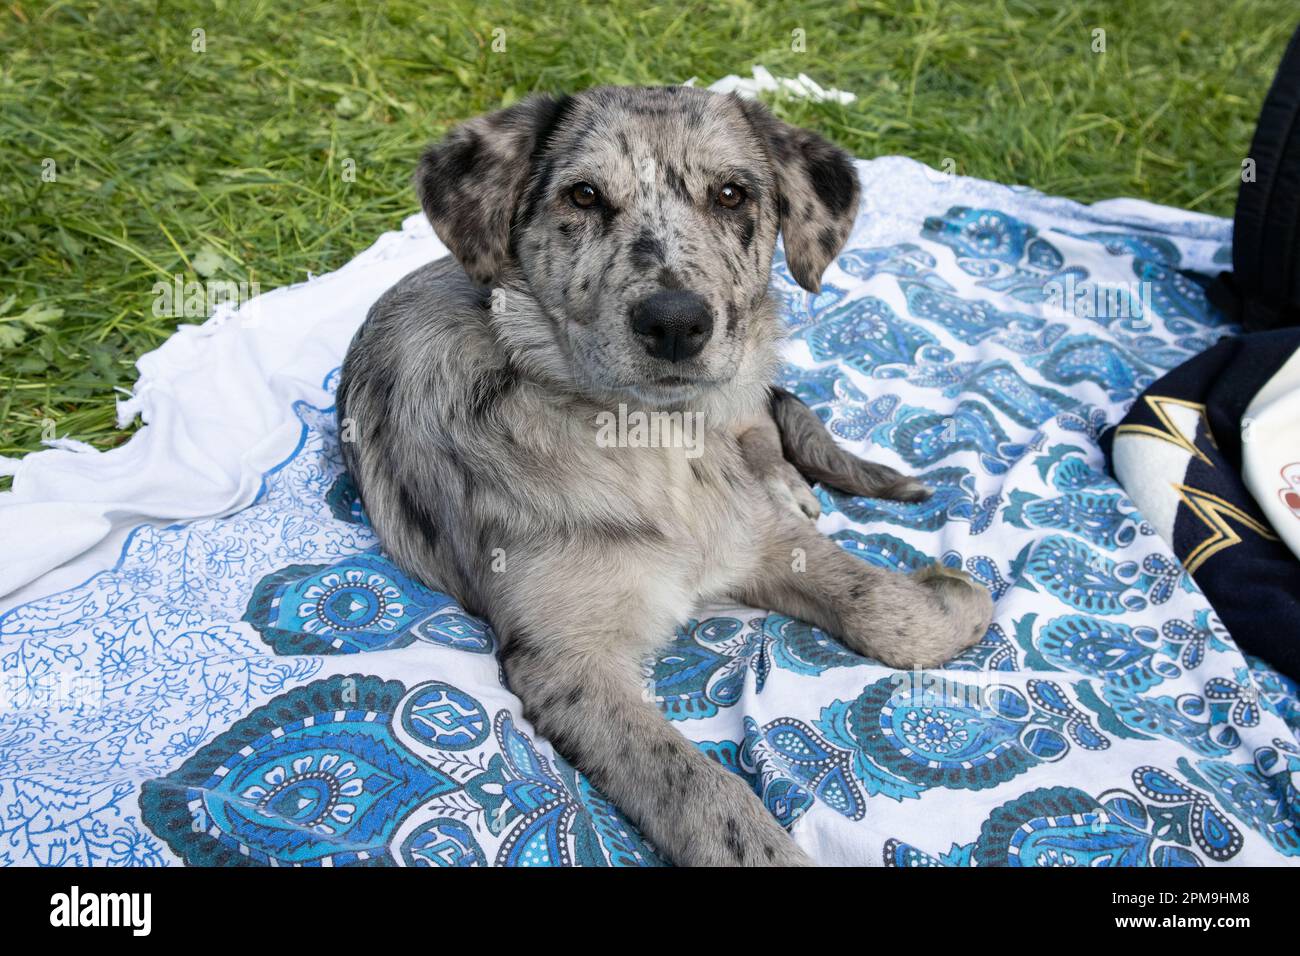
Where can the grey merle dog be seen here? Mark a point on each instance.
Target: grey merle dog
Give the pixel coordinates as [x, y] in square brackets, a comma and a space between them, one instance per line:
[614, 248]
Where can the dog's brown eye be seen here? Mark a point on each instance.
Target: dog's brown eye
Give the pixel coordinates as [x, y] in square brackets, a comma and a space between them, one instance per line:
[730, 196]
[584, 195]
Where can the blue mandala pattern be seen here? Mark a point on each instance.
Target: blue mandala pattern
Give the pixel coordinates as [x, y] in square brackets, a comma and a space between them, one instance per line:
[360, 771]
[301, 782]
[1064, 827]
[234, 731]
[1105, 519]
[869, 336]
[362, 603]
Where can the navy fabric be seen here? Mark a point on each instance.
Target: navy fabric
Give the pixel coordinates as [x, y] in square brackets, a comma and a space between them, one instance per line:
[1253, 584]
[1266, 226]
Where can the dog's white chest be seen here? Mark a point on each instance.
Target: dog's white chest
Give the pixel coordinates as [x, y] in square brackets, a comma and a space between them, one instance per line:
[712, 519]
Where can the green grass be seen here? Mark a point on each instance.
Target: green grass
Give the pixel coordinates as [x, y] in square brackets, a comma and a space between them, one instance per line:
[167, 158]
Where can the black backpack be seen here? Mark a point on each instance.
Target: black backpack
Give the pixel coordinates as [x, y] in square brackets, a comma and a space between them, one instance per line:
[1263, 289]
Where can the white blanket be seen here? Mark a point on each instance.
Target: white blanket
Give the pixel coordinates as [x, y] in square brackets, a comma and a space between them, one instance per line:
[206, 658]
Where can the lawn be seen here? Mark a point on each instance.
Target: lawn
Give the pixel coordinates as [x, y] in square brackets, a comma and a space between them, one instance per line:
[279, 142]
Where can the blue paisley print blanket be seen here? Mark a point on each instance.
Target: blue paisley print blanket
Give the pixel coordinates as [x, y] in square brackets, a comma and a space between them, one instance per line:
[256, 683]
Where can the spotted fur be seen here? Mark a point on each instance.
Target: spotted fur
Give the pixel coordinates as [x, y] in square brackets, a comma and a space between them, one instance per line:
[475, 391]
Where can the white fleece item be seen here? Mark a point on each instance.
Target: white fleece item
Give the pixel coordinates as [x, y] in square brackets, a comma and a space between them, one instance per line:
[1270, 451]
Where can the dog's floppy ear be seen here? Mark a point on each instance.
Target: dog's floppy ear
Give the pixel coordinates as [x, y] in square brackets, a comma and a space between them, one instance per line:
[817, 193]
[470, 182]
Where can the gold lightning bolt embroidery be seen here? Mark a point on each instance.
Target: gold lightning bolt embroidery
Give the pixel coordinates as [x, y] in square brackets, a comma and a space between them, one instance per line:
[1159, 405]
[1214, 513]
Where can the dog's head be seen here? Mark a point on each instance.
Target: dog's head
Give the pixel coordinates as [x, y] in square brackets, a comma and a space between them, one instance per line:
[643, 222]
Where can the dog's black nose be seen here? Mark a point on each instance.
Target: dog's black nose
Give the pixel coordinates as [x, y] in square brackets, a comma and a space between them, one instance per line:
[673, 324]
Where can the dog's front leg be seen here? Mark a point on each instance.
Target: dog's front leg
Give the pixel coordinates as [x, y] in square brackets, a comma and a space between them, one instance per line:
[760, 445]
[912, 620]
[575, 664]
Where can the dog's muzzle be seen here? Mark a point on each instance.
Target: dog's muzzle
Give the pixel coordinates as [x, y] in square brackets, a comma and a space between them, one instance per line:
[673, 324]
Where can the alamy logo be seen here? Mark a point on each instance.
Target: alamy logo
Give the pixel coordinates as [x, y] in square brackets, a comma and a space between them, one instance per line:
[179, 299]
[1089, 300]
[103, 909]
[917, 688]
[639, 429]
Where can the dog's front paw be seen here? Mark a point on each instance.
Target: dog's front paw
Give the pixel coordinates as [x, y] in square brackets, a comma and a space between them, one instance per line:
[966, 603]
[933, 615]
